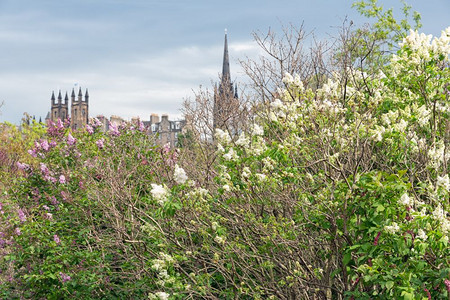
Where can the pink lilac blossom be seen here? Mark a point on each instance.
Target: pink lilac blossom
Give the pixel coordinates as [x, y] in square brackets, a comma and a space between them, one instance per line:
[100, 143]
[62, 179]
[45, 146]
[32, 152]
[97, 123]
[22, 216]
[50, 178]
[447, 284]
[54, 201]
[17, 231]
[64, 277]
[141, 126]
[113, 130]
[71, 140]
[89, 129]
[56, 239]
[44, 170]
[22, 166]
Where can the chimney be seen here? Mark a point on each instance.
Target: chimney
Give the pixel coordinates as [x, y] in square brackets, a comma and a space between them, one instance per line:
[154, 118]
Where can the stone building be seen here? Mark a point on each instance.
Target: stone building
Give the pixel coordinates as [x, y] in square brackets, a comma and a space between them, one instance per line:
[167, 131]
[79, 109]
[60, 109]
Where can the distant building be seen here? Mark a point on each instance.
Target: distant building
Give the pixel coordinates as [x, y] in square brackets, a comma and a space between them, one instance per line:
[226, 100]
[166, 131]
[79, 109]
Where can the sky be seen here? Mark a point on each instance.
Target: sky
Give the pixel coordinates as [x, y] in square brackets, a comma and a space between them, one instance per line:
[138, 57]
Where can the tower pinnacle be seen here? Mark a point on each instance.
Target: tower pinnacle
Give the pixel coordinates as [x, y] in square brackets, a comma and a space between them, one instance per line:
[226, 77]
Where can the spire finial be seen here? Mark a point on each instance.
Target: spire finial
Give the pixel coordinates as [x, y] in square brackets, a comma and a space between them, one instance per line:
[226, 77]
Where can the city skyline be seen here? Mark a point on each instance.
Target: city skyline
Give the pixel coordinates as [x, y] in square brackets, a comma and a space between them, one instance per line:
[142, 57]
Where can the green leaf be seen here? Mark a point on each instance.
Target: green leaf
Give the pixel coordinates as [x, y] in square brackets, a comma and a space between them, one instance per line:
[389, 285]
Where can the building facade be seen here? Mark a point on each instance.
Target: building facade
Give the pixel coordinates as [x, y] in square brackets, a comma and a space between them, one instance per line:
[165, 130]
[79, 109]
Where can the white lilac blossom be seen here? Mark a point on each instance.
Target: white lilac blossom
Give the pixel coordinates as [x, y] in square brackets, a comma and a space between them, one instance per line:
[222, 136]
[230, 155]
[242, 140]
[159, 193]
[392, 228]
[443, 182]
[257, 130]
[226, 187]
[159, 296]
[436, 154]
[220, 148]
[277, 104]
[440, 214]
[405, 200]
[219, 240]
[179, 175]
[260, 177]
[422, 235]
[401, 125]
[246, 172]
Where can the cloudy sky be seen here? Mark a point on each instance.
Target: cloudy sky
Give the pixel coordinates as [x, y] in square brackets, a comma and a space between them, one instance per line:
[139, 57]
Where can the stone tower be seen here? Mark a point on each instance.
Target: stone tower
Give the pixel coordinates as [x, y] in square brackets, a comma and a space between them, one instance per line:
[225, 96]
[80, 109]
[60, 109]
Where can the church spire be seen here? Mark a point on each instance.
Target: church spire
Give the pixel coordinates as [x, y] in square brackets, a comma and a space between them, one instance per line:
[226, 77]
[59, 97]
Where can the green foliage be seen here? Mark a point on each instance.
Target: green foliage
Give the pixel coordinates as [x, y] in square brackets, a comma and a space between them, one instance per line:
[337, 192]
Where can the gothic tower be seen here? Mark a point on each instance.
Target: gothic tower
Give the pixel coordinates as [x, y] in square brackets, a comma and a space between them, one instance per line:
[79, 109]
[225, 96]
[60, 109]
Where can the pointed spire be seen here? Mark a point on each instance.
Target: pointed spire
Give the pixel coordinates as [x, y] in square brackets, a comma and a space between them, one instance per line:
[86, 96]
[40, 120]
[226, 77]
[73, 93]
[53, 96]
[235, 91]
[59, 97]
[66, 99]
[80, 95]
